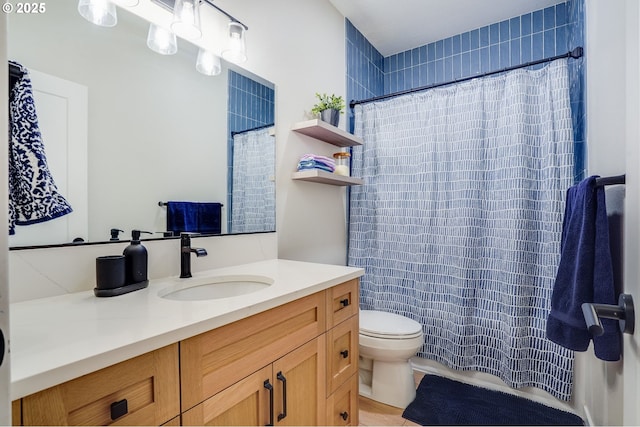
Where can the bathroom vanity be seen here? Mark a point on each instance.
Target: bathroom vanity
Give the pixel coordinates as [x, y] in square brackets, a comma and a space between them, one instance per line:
[286, 354]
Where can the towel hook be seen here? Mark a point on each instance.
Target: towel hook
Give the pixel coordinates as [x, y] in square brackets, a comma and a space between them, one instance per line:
[624, 313]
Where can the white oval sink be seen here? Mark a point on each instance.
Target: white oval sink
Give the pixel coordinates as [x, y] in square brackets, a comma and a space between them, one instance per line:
[205, 288]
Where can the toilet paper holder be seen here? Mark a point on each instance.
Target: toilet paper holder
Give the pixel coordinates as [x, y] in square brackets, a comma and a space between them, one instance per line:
[624, 313]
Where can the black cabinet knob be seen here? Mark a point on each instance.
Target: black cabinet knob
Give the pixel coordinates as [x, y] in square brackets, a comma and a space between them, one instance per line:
[344, 302]
[344, 415]
[344, 353]
[119, 409]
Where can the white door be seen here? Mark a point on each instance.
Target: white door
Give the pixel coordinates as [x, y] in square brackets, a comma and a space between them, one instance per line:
[61, 106]
[631, 352]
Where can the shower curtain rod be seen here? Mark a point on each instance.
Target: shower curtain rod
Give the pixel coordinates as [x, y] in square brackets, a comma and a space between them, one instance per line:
[234, 133]
[575, 53]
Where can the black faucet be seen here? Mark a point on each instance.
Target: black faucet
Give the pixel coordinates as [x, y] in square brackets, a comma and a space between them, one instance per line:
[185, 254]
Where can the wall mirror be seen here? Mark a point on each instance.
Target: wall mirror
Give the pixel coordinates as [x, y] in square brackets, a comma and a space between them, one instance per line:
[133, 129]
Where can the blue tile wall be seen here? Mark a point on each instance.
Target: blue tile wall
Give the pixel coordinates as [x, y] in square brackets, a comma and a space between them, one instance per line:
[365, 69]
[250, 104]
[537, 35]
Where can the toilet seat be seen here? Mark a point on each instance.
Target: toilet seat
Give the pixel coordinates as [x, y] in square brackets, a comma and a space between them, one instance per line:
[391, 326]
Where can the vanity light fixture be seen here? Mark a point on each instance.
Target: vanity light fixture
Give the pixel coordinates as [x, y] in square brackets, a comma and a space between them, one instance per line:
[161, 40]
[236, 51]
[208, 63]
[99, 12]
[186, 19]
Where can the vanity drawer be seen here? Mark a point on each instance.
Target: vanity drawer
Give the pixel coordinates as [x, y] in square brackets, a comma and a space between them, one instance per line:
[342, 302]
[214, 360]
[342, 406]
[342, 353]
[148, 384]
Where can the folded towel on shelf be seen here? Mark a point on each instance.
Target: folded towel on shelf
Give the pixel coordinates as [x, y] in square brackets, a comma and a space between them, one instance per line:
[313, 161]
[585, 273]
[195, 217]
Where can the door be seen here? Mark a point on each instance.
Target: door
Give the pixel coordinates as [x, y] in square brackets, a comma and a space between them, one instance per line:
[245, 403]
[300, 385]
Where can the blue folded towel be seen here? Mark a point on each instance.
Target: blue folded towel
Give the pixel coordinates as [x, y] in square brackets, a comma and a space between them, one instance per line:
[194, 217]
[585, 273]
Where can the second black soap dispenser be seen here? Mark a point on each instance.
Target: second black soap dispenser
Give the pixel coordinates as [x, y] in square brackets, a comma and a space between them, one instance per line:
[135, 259]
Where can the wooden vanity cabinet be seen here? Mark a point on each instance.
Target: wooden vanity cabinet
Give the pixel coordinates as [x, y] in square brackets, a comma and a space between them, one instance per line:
[139, 391]
[296, 364]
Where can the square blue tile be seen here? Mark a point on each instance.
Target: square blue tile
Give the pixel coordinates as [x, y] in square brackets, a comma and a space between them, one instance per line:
[439, 64]
[514, 27]
[422, 74]
[525, 49]
[448, 47]
[431, 72]
[549, 17]
[504, 31]
[457, 44]
[505, 55]
[561, 14]
[538, 21]
[439, 49]
[494, 34]
[474, 62]
[561, 40]
[415, 76]
[465, 65]
[448, 68]
[525, 24]
[484, 36]
[466, 42]
[408, 78]
[549, 43]
[474, 36]
[494, 54]
[537, 46]
[515, 52]
[415, 56]
[431, 52]
[456, 65]
[485, 60]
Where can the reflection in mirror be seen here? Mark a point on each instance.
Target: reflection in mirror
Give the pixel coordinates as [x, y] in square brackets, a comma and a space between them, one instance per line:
[125, 128]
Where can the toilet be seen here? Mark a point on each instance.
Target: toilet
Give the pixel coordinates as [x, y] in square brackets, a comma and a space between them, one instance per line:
[387, 341]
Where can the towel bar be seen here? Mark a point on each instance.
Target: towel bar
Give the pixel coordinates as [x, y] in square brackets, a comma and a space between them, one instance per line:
[624, 313]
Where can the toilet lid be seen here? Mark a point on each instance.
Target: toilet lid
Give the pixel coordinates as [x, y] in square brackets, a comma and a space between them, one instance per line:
[388, 325]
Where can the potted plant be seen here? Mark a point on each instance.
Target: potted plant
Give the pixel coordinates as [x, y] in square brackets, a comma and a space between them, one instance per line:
[329, 108]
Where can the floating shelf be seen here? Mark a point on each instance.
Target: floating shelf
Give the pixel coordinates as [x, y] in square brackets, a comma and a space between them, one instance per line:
[316, 175]
[323, 131]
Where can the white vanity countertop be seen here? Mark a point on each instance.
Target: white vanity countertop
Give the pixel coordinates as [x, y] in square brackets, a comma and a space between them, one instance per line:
[57, 339]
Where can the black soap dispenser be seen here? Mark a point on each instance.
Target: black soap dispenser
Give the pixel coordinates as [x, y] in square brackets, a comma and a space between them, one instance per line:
[135, 258]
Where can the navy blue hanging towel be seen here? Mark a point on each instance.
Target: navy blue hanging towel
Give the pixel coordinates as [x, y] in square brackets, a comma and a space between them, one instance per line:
[195, 217]
[585, 273]
[33, 194]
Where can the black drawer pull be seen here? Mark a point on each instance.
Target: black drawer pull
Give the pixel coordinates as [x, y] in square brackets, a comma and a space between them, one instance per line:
[282, 378]
[344, 353]
[269, 387]
[344, 415]
[344, 302]
[119, 409]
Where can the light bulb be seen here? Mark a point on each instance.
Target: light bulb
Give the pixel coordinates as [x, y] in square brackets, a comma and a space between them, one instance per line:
[161, 40]
[208, 63]
[186, 19]
[99, 12]
[236, 51]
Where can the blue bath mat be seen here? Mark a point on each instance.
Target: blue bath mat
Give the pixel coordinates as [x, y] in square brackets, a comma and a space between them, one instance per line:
[441, 401]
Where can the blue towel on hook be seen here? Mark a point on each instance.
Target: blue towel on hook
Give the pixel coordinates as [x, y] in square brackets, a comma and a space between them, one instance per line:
[194, 217]
[585, 273]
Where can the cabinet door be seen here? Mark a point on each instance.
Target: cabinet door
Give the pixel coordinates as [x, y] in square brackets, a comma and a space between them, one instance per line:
[246, 403]
[300, 385]
[139, 391]
[342, 406]
[342, 353]
[16, 413]
[214, 360]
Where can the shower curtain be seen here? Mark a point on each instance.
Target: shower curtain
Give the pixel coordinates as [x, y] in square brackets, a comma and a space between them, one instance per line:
[253, 188]
[458, 224]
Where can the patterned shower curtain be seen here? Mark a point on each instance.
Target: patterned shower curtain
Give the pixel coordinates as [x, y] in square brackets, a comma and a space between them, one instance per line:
[458, 225]
[253, 188]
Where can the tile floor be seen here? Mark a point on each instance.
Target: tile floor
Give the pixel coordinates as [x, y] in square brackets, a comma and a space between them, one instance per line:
[373, 413]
